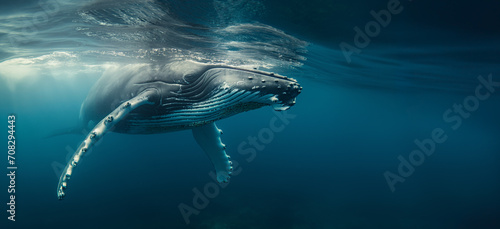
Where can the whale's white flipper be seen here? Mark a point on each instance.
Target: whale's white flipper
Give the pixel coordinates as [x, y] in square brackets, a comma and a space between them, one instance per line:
[99, 130]
[208, 137]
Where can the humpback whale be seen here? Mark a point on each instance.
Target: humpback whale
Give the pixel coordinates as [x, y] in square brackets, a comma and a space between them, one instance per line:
[149, 99]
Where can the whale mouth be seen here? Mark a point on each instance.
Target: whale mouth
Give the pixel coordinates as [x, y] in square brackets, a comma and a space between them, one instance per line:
[286, 98]
[279, 105]
[283, 106]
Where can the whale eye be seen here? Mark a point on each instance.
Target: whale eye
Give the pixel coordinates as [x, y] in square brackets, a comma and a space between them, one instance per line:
[188, 78]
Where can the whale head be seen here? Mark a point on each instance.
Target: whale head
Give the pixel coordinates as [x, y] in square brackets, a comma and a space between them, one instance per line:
[250, 89]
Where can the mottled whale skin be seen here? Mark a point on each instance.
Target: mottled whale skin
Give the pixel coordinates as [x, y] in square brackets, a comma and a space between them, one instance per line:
[149, 99]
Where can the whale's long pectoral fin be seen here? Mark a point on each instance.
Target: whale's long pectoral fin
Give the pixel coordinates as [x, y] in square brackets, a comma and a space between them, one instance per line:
[208, 137]
[99, 130]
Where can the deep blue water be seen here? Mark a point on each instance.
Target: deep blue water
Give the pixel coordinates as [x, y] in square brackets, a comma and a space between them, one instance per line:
[351, 125]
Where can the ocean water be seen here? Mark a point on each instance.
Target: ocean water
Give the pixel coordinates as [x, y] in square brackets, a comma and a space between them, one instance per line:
[397, 125]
